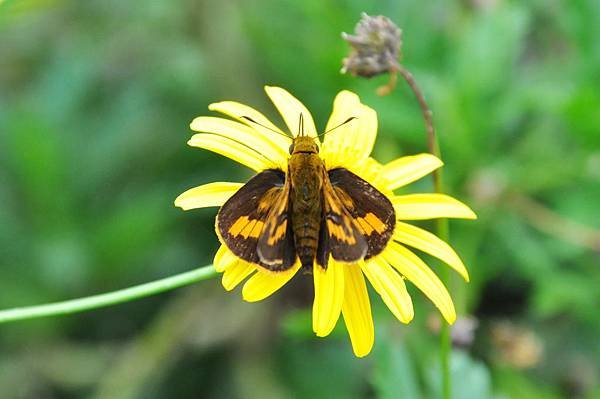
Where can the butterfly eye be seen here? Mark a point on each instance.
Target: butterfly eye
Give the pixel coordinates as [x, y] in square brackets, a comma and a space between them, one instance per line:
[291, 148]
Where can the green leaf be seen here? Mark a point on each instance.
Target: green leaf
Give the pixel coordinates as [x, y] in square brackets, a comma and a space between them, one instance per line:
[470, 378]
[394, 374]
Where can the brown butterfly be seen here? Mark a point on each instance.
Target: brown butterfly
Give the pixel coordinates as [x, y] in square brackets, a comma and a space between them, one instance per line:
[309, 213]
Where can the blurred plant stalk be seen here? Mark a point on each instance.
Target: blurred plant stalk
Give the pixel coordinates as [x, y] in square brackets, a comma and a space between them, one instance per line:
[377, 49]
[554, 224]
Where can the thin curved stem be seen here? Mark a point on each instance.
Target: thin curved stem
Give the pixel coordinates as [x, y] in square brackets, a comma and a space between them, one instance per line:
[442, 224]
[109, 298]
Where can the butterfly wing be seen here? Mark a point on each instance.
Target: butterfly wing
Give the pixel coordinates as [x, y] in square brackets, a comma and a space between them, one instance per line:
[275, 247]
[251, 214]
[371, 211]
[339, 236]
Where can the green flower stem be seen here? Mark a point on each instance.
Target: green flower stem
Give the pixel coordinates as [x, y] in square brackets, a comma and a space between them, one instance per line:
[443, 232]
[109, 298]
[445, 338]
[442, 224]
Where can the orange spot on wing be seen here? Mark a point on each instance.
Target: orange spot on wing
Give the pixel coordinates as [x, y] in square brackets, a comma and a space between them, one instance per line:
[278, 233]
[365, 228]
[333, 228]
[375, 222]
[238, 226]
[345, 199]
[338, 232]
[370, 223]
[246, 228]
[257, 229]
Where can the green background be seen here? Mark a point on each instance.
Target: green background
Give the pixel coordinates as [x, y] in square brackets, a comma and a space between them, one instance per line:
[95, 102]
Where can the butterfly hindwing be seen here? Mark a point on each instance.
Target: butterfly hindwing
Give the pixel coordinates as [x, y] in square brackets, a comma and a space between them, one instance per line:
[339, 237]
[371, 211]
[242, 220]
[275, 246]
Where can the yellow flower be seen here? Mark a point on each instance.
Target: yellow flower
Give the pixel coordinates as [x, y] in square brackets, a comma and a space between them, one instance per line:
[341, 288]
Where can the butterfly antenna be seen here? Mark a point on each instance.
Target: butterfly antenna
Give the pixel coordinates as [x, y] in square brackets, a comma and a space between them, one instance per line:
[301, 125]
[266, 127]
[335, 127]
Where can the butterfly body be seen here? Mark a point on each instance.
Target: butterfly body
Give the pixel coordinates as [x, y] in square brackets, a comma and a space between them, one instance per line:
[307, 214]
[306, 173]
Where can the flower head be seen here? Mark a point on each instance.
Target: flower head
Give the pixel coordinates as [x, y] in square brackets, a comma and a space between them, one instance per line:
[375, 45]
[340, 287]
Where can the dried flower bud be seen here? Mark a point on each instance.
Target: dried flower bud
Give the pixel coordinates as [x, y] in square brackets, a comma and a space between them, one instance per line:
[375, 47]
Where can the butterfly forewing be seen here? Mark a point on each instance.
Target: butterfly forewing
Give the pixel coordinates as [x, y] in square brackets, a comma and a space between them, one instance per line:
[371, 211]
[243, 219]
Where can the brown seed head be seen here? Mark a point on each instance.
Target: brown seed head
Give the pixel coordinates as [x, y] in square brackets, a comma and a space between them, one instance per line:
[376, 45]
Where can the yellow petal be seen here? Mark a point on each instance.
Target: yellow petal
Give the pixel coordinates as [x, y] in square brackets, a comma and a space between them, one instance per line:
[264, 283]
[390, 286]
[370, 170]
[211, 194]
[357, 311]
[354, 140]
[232, 150]
[237, 111]
[242, 134]
[429, 243]
[235, 273]
[430, 206]
[405, 170]
[416, 271]
[224, 258]
[329, 296]
[290, 109]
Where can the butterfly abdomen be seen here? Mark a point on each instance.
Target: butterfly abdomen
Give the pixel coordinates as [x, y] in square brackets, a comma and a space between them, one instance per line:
[306, 174]
[306, 237]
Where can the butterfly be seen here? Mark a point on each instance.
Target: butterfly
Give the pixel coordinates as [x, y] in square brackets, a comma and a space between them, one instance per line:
[307, 213]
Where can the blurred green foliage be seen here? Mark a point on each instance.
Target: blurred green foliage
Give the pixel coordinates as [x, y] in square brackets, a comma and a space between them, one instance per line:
[95, 99]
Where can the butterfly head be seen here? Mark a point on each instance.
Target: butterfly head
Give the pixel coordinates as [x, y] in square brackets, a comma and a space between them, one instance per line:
[304, 145]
